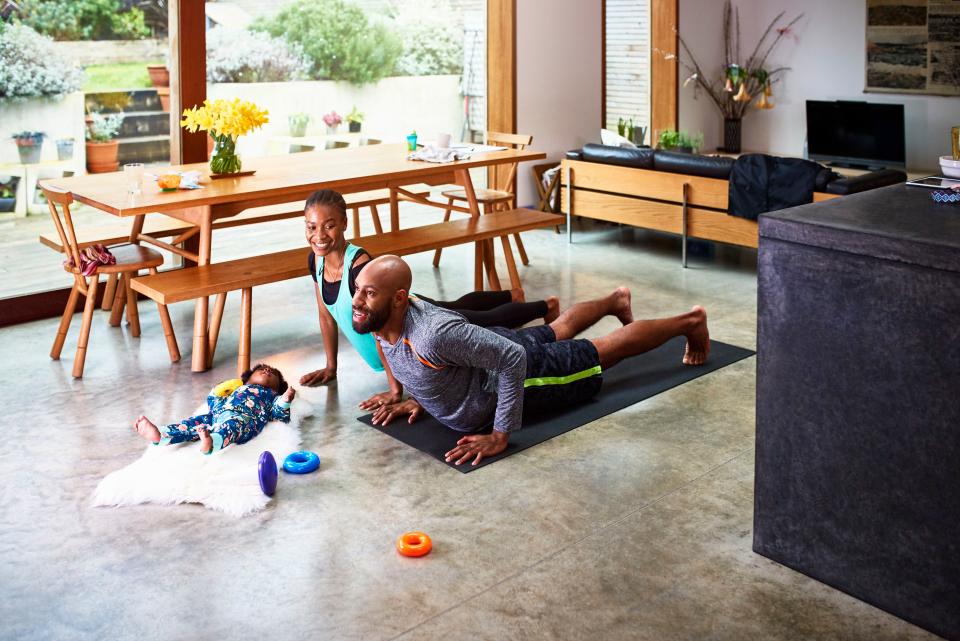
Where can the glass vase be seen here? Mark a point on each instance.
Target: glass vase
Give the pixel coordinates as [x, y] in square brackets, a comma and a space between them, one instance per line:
[225, 159]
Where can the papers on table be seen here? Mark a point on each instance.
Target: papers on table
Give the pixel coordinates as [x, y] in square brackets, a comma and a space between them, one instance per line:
[465, 147]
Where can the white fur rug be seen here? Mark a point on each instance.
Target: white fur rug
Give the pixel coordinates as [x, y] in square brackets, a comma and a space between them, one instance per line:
[226, 481]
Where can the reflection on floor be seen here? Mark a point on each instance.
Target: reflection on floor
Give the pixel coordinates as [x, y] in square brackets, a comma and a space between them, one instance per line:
[637, 526]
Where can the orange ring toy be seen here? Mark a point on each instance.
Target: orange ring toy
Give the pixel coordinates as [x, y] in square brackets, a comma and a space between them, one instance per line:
[414, 544]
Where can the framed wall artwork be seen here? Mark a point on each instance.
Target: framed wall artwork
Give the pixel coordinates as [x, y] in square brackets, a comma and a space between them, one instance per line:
[913, 46]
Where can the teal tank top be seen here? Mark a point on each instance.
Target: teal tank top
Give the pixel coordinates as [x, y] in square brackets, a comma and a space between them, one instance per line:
[342, 312]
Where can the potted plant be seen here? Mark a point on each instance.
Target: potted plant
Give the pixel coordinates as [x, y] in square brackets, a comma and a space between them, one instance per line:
[163, 93]
[354, 120]
[225, 121]
[8, 195]
[159, 75]
[680, 141]
[65, 149]
[102, 146]
[298, 124]
[29, 146]
[741, 80]
[332, 120]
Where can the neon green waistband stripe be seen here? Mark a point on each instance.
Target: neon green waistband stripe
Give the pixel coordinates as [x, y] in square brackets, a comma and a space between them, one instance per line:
[562, 380]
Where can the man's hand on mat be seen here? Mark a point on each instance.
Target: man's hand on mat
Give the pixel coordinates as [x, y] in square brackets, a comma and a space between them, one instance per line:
[478, 446]
[379, 400]
[386, 413]
[319, 377]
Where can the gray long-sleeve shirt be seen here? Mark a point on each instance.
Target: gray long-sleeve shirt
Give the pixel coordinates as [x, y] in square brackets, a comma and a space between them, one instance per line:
[465, 376]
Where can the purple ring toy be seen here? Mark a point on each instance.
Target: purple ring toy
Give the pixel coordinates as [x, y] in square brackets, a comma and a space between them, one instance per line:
[267, 471]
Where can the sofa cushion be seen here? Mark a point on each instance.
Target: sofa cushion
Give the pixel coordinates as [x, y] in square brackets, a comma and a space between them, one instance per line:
[693, 164]
[640, 157]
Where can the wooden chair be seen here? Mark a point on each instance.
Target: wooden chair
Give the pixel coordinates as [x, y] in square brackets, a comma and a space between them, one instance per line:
[130, 260]
[501, 196]
[549, 196]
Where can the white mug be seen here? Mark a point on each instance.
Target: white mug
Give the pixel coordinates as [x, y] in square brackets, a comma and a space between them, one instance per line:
[443, 141]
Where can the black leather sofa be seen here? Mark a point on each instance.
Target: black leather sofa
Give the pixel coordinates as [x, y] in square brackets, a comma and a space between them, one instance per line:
[720, 167]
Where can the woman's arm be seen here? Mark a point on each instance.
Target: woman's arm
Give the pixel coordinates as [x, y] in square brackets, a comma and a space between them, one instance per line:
[384, 398]
[328, 329]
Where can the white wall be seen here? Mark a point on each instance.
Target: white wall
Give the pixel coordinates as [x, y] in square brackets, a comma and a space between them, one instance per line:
[827, 56]
[558, 79]
[391, 107]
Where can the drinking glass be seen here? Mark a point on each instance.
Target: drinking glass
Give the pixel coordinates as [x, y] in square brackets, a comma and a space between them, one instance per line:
[133, 172]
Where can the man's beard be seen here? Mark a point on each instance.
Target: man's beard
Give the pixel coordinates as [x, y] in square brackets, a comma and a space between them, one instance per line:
[374, 322]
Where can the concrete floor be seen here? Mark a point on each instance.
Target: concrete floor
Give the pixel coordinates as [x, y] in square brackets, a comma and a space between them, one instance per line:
[637, 526]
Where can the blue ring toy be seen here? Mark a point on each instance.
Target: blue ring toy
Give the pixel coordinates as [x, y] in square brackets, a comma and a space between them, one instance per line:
[301, 463]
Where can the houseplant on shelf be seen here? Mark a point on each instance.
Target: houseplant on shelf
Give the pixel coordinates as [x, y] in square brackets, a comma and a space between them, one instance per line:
[332, 120]
[225, 121]
[29, 146]
[298, 124]
[679, 141]
[354, 120]
[64, 148]
[8, 195]
[102, 146]
[734, 89]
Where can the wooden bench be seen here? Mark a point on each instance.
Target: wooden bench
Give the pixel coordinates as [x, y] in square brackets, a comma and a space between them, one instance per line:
[246, 273]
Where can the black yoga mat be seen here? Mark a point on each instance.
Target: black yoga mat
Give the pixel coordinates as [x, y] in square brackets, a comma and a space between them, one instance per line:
[631, 381]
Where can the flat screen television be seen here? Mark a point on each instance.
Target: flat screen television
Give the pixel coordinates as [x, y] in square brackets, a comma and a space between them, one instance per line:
[864, 135]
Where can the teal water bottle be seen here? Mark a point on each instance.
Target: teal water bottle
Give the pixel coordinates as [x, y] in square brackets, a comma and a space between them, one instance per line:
[412, 141]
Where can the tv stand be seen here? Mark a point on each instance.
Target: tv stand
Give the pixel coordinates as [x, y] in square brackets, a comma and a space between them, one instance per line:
[853, 165]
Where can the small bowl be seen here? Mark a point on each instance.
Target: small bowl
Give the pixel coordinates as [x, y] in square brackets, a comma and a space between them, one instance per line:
[168, 182]
[949, 166]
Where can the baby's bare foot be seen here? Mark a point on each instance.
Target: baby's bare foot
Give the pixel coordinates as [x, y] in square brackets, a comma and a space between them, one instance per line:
[698, 338]
[146, 429]
[553, 309]
[206, 442]
[622, 306]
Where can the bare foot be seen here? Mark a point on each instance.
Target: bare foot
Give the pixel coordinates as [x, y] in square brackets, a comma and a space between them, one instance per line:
[206, 442]
[553, 309]
[146, 429]
[517, 296]
[621, 305]
[698, 338]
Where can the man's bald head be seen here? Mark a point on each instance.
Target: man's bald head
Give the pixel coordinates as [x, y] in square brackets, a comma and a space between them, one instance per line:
[382, 289]
[388, 273]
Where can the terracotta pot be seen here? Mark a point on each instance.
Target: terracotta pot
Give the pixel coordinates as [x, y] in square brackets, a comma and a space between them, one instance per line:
[102, 156]
[163, 93]
[159, 75]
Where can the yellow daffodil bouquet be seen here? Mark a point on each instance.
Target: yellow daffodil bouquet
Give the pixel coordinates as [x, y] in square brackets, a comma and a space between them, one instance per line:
[225, 121]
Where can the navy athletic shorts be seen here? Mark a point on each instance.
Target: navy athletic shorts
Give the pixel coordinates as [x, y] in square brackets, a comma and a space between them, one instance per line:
[559, 373]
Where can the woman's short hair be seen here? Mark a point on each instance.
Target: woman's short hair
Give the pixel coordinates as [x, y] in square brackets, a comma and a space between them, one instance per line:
[327, 198]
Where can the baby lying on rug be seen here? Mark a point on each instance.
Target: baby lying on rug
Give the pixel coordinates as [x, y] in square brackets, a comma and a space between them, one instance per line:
[239, 410]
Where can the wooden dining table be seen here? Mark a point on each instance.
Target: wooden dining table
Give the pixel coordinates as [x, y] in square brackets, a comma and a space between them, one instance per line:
[285, 179]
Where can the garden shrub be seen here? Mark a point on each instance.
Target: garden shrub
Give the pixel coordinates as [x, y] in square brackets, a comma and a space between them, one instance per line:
[432, 38]
[237, 55]
[30, 66]
[339, 40]
[84, 19]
